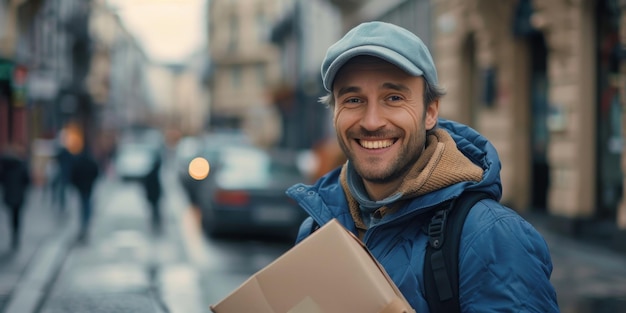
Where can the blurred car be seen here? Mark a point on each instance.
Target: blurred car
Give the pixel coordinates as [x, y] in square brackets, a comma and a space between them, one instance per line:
[134, 160]
[245, 193]
[204, 146]
[136, 154]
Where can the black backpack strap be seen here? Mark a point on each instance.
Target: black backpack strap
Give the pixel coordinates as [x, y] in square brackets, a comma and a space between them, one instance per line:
[441, 270]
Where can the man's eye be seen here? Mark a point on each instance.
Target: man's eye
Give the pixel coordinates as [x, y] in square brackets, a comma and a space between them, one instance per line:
[352, 100]
[394, 98]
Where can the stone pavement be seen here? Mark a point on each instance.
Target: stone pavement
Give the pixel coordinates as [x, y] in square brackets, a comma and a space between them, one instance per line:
[589, 277]
[123, 267]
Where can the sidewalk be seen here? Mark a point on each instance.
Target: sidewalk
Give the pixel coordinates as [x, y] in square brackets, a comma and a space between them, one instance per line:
[122, 268]
[43, 246]
[589, 277]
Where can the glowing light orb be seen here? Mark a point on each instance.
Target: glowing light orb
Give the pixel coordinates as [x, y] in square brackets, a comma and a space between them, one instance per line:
[199, 168]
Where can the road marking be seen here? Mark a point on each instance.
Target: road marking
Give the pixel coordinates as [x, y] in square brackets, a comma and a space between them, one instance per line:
[193, 240]
[179, 285]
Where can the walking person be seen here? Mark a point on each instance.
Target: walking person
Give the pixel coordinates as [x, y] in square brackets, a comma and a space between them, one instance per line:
[153, 190]
[15, 179]
[83, 175]
[64, 160]
[404, 162]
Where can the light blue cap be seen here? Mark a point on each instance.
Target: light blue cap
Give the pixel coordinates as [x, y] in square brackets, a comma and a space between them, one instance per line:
[389, 42]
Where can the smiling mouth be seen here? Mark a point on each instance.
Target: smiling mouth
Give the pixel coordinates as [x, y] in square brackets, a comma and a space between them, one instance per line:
[376, 144]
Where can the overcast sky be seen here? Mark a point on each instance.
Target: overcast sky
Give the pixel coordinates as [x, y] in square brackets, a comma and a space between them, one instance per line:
[169, 30]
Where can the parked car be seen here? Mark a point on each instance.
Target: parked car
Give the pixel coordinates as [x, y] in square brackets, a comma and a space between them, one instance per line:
[136, 153]
[245, 193]
[207, 147]
[133, 161]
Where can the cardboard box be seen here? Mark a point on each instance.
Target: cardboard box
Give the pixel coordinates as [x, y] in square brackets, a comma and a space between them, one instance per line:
[330, 271]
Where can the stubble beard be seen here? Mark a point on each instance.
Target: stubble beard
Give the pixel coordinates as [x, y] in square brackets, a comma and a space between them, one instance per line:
[395, 169]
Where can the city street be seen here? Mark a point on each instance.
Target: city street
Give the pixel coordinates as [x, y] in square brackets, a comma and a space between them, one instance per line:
[209, 110]
[124, 267]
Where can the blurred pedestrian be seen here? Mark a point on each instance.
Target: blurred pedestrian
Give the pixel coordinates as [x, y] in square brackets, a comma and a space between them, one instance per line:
[83, 175]
[405, 166]
[153, 190]
[64, 160]
[15, 179]
[71, 142]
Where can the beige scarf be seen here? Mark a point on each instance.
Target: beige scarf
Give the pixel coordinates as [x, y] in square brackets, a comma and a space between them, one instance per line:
[440, 165]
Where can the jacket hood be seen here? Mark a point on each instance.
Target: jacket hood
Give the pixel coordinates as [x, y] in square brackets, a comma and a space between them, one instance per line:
[481, 152]
[328, 190]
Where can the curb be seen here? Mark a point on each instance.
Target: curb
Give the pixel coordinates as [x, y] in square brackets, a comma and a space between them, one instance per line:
[32, 290]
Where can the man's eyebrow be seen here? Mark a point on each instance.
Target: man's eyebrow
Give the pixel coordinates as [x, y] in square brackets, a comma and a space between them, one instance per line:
[397, 87]
[344, 90]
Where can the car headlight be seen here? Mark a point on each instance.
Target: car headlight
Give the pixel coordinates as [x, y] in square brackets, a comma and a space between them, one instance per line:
[199, 168]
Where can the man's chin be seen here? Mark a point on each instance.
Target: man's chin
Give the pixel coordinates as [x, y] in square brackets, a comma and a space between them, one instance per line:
[374, 175]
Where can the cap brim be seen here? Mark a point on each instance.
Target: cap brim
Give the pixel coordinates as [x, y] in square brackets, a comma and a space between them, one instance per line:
[371, 50]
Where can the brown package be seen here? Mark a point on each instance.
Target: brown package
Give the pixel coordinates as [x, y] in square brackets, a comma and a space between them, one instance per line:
[330, 271]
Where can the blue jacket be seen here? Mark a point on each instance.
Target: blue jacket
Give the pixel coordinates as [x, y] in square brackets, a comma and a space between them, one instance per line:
[504, 263]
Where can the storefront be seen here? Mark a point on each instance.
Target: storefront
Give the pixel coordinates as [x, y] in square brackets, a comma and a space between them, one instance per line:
[557, 116]
[6, 94]
[609, 110]
[13, 115]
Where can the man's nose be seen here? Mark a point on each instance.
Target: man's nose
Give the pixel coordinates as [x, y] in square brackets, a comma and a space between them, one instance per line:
[373, 117]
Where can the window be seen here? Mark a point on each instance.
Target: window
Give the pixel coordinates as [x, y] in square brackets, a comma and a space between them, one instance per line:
[234, 34]
[261, 74]
[236, 76]
[261, 25]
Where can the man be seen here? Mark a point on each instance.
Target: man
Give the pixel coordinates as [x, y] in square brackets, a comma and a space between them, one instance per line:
[403, 161]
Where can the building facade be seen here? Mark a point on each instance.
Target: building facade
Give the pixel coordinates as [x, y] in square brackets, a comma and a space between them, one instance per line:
[58, 65]
[243, 61]
[302, 36]
[545, 88]
[15, 18]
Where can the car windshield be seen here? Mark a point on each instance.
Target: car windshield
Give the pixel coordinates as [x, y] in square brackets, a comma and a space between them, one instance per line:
[135, 158]
[253, 168]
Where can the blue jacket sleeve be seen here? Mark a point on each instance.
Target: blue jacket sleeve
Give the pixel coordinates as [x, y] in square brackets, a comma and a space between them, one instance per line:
[505, 264]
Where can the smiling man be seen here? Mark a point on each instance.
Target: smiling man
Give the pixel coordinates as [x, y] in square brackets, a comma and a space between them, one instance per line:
[404, 164]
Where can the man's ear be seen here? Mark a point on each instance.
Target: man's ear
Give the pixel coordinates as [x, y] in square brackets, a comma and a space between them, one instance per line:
[431, 115]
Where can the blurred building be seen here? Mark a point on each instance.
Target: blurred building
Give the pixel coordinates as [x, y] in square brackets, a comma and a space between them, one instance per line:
[66, 62]
[179, 95]
[243, 62]
[45, 52]
[128, 102]
[20, 66]
[546, 84]
[117, 79]
[302, 35]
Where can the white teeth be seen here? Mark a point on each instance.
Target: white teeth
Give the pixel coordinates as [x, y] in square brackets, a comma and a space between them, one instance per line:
[378, 144]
